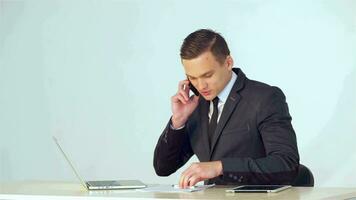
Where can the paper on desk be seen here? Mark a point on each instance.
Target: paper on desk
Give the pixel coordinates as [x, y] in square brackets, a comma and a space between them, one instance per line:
[171, 189]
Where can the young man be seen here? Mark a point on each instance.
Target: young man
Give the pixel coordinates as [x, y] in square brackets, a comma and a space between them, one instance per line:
[239, 129]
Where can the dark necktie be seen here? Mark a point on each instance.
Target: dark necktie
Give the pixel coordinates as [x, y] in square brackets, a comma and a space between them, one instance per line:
[213, 120]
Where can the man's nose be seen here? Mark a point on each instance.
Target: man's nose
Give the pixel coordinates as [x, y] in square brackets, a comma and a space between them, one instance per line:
[201, 84]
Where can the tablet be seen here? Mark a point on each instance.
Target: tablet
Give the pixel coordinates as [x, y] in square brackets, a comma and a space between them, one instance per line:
[259, 188]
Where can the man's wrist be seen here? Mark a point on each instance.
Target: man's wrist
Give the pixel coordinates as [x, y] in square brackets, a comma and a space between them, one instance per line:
[177, 123]
[219, 167]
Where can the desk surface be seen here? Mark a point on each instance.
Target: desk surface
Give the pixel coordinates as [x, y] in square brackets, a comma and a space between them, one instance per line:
[66, 190]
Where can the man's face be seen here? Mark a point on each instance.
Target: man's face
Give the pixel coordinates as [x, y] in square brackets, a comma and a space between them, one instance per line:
[207, 75]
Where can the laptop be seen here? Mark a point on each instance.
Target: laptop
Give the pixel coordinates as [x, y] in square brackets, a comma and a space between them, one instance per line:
[105, 184]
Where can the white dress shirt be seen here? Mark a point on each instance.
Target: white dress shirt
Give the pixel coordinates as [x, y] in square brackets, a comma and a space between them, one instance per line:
[222, 97]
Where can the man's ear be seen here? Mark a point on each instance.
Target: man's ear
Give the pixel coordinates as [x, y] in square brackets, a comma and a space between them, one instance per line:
[229, 62]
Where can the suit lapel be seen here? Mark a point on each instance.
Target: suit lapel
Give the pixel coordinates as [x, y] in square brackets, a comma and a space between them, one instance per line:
[230, 105]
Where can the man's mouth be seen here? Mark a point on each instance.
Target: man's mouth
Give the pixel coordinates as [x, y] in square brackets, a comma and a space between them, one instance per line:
[205, 93]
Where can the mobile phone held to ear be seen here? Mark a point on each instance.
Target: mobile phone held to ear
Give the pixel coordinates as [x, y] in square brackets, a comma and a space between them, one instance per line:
[193, 89]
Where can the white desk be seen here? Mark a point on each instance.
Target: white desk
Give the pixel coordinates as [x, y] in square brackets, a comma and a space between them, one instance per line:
[65, 190]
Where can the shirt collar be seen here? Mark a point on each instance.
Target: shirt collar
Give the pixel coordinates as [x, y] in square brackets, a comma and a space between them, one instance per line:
[226, 91]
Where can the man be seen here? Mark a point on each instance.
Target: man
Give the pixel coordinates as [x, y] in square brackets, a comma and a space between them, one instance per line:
[239, 129]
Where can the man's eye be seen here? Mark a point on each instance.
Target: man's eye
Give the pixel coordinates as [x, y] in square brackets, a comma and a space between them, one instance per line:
[208, 75]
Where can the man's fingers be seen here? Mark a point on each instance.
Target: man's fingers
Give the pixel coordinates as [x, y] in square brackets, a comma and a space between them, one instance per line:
[190, 179]
[182, 83]
[182, 99]
[179, 98]
[184, 178]
[187, 174]
[186, 87]
[198, 172]
[193, 180]
[186, 181]
[183, 88]
[184, 94]
[181, 179]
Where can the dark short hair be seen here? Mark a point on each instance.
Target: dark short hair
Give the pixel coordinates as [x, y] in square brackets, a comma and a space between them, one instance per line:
[204, 40]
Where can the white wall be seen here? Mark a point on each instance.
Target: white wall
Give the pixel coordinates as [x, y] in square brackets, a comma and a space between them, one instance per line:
[99, 76]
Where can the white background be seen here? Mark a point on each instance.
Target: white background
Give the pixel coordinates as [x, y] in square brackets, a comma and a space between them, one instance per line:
[99, 76]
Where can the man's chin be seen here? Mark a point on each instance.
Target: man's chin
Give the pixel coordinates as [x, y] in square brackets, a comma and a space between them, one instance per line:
[208, 97]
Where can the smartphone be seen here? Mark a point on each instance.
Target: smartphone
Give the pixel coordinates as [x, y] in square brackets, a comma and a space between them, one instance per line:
[259, 188]
[193, 89]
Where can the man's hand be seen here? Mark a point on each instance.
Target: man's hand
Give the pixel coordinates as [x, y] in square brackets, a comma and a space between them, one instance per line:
[199, 172]
[182, 105]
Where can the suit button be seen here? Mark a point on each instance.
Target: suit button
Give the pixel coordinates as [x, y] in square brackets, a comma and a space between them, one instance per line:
[240, 179]
[230, 175]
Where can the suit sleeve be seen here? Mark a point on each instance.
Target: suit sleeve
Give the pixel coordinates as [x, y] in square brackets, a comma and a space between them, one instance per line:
[172, 151]
[282, 160]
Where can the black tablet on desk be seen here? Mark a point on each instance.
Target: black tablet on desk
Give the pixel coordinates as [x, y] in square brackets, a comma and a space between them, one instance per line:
[259, 188]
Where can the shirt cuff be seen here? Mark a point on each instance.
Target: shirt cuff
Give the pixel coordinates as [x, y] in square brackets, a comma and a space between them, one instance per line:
[176, 129]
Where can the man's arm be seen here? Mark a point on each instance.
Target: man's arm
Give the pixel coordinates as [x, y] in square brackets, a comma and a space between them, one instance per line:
[172, 151]
[282, 160]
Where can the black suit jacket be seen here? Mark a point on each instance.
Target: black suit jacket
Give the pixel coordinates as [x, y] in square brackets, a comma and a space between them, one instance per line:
[254, 138]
